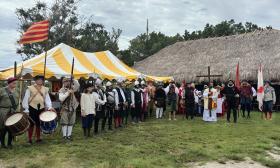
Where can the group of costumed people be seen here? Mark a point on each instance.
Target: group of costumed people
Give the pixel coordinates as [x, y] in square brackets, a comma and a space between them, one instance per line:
[214, 101]
[102, 103]
[106, 103]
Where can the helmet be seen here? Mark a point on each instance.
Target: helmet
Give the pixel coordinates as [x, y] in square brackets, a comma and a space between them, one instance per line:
[143, 83]
[98, 82]
[136, 83]
[108, 84]
[119, 81]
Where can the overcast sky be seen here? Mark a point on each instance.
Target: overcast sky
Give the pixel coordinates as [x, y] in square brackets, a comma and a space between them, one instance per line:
[167, 16]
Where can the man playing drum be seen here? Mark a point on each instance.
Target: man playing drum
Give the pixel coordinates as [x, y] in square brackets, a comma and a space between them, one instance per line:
[69, 105]
[8, 104]
[35, 101]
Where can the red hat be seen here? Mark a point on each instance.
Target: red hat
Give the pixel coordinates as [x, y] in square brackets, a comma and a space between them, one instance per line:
[11, 79]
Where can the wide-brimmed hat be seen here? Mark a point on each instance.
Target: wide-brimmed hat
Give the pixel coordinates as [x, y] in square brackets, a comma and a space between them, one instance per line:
[37, 77]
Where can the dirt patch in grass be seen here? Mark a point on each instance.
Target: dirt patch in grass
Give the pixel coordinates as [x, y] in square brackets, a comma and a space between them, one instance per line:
[231, 164]
[274, 153]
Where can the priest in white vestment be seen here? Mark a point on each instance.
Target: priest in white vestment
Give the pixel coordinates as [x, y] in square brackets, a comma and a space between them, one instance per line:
[210, 96]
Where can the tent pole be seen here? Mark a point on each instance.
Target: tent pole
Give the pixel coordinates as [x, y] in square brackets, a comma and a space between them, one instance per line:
[45, 63]
[15, 69]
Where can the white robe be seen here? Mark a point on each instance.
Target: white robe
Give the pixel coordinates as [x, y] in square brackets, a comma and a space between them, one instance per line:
[220, 105]
[206, 112]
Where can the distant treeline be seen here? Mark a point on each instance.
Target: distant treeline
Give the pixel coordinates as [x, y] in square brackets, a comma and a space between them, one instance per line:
[80, 32]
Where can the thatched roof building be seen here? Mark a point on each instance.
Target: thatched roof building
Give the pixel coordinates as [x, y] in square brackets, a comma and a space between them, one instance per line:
[186, 60]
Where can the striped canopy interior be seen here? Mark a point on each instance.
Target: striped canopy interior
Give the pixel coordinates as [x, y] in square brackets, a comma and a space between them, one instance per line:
[102, 64]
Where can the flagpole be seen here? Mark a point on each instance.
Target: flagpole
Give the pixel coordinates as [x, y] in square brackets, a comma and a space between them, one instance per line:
[260, 89]
[262, 113]
[45, 62]
[46, 53]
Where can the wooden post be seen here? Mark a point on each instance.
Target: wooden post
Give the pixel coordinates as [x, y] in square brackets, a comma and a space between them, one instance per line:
[15, 69]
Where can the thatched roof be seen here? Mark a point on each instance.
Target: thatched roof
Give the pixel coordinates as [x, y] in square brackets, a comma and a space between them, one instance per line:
[186, 60]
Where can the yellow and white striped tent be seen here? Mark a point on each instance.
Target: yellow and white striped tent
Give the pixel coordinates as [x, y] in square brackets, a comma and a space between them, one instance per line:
[59, 59]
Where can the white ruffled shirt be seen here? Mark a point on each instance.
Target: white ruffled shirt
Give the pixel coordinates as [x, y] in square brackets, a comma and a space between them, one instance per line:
[88, 103]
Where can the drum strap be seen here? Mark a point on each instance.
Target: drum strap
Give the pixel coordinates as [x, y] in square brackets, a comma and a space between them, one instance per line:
[38, 92]
[12, 99]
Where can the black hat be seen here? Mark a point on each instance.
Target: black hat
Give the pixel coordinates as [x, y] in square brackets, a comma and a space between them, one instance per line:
[39, 77]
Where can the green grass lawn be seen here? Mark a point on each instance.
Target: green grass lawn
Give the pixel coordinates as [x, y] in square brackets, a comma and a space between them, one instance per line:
[155, 143]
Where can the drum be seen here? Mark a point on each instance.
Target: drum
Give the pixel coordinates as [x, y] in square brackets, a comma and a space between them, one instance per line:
[48, 122]
[17, 123]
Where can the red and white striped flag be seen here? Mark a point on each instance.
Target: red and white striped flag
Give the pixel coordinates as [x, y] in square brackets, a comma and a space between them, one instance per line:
[260, 92]
[37, 32]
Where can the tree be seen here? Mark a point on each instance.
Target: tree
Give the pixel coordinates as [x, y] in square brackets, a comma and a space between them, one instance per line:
[239, 28]
[208, 31]
[224, 28]
[250, 27]
[126, 57]
[140, 48]
[187, 35]
[93, 37]
[65, 27]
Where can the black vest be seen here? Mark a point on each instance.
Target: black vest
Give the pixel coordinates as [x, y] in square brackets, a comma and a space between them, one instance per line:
[137, 96]
[121, 100]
